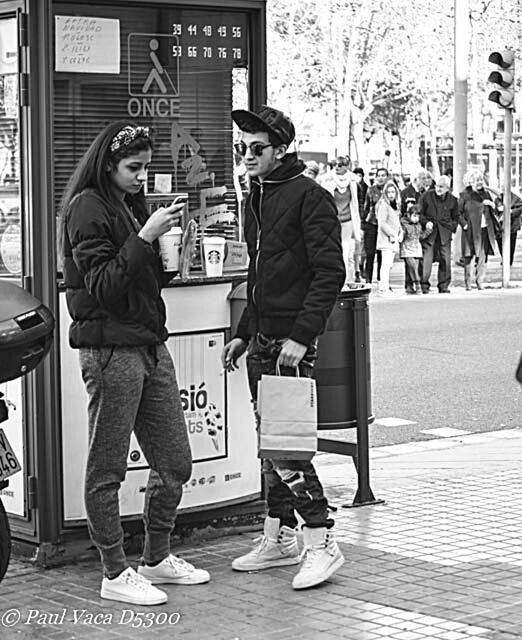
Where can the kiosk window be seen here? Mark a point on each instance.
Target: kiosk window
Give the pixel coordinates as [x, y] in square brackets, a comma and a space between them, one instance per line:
[10, 201]
[176, 70]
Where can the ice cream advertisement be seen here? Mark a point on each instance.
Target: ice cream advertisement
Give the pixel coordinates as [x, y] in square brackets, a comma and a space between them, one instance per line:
[202, 390]
[197, 358]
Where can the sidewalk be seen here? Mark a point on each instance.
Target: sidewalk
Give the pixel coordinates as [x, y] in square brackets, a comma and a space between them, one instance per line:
[440, 560]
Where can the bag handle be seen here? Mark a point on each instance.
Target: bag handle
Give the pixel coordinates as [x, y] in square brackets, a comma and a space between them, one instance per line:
[278, 369]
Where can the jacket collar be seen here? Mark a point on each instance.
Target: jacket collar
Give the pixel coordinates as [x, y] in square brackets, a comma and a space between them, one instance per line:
[291, 167]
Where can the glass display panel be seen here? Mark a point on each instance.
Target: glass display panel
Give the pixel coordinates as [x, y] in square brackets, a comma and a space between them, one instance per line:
[177, 70]
[10, 200]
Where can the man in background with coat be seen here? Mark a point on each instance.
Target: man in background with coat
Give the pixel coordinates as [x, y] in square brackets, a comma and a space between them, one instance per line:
[439, 215]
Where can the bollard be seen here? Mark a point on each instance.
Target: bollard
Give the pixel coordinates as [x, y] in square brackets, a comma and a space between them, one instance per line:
[343, 376]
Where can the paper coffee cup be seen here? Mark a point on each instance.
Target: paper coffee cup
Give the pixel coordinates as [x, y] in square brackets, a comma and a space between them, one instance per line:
[170, 246]
[214, 253]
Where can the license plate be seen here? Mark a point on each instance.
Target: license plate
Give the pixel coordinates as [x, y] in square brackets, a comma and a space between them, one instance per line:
[9, 464]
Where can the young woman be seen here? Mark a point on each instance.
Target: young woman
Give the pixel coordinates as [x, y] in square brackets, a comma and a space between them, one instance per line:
[113, 275]
[389, 232]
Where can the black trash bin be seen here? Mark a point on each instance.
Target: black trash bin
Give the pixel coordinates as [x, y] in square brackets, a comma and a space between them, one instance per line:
[343, 364]
[343, 380]
[26, 331]
[238, 300]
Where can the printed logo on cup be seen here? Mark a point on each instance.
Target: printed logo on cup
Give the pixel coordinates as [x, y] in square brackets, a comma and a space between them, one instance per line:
[214, 257]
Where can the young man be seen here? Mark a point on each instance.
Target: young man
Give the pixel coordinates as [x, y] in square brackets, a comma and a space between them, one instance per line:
[296, 272]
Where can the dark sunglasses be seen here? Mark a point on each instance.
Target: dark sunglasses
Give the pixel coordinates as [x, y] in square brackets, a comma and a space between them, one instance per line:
[256, 148]
[341, 164]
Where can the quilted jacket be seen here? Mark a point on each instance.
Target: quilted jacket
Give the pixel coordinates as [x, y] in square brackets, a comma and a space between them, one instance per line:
[296, 265]
[113, 278]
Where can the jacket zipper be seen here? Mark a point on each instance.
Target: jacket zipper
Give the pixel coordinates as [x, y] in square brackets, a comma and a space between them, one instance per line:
[258, 242]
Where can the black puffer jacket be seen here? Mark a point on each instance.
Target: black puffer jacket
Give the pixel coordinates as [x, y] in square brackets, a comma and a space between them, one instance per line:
[113, 278]
[296, 263]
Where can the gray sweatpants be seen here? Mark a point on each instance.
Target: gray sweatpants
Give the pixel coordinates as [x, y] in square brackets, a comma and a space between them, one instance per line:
[133, 388]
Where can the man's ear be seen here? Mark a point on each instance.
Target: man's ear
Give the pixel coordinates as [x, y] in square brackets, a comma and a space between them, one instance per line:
[281, 151]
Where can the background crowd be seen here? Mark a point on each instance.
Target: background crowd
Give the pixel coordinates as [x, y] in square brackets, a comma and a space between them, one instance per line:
[390, 217]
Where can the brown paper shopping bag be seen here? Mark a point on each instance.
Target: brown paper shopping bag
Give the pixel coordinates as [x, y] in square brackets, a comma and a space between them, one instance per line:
[288, 417]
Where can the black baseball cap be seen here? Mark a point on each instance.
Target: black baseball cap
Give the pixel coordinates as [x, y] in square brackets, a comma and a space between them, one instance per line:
[266, 119]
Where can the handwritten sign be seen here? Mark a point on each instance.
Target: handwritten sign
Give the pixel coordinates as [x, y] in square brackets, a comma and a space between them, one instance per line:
[87, 45]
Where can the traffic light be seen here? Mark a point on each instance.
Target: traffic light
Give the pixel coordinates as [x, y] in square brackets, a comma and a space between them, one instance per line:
[503, 79]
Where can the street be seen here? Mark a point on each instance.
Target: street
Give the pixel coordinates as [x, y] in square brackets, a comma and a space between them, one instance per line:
[445, 362]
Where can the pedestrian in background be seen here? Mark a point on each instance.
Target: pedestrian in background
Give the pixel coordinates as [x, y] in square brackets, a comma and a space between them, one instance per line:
[359, 253]
[369, 224]
[516, 215]
[113, 276]
[296, 271]
[478, 220]
[389, 232]
[343, 187]
[410, 246]
[311, 169]
[421, 182]
[439, 215]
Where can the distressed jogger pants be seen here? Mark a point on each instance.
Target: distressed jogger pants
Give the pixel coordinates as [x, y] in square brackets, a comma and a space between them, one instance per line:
[133, 389]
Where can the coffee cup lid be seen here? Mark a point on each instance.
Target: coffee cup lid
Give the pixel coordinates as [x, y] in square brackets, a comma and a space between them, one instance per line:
[174, 231]
[214, 239]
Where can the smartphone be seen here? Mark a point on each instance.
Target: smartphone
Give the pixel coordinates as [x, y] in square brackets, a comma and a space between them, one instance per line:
[180, 199]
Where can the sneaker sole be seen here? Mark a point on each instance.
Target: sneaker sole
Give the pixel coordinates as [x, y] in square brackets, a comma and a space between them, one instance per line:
[337, 564]
[284, 562]
[121, 598]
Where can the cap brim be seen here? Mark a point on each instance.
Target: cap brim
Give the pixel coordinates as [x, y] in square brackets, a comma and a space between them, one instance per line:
[247, 118]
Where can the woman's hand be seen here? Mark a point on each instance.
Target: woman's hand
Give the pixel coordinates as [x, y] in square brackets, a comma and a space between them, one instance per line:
[161, 221]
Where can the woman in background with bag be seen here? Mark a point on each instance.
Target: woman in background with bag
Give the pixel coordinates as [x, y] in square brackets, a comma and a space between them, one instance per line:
[295, 273]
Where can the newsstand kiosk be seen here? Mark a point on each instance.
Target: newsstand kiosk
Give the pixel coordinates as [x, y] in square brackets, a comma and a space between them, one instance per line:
[66, 69]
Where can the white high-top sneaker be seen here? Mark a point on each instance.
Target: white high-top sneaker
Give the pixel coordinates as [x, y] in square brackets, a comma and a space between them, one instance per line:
[321, 557]
[277, 547]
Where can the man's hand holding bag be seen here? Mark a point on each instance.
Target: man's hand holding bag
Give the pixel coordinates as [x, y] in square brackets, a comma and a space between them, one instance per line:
[287, 407]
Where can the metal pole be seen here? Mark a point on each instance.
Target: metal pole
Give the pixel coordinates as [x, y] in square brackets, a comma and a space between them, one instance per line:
[460, 137]
[364, 494]
[506, 233]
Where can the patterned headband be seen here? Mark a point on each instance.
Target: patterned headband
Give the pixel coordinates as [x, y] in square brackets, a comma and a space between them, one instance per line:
[127, 135]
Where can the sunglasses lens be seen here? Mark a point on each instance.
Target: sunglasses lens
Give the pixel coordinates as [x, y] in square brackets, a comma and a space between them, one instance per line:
[240, 148]
[256, 148]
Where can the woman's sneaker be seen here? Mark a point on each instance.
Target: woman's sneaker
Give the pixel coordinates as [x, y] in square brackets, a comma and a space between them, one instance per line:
[173, 570]
[132, 588]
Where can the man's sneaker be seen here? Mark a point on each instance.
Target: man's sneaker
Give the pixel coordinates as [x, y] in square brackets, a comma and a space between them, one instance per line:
[173, 570]
[321, 557]
[277, 547]
[132, 588]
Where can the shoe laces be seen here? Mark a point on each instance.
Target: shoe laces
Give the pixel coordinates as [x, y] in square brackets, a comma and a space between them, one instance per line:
[262, 544]
[309, 554]
[180, 564]
[137, 580]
